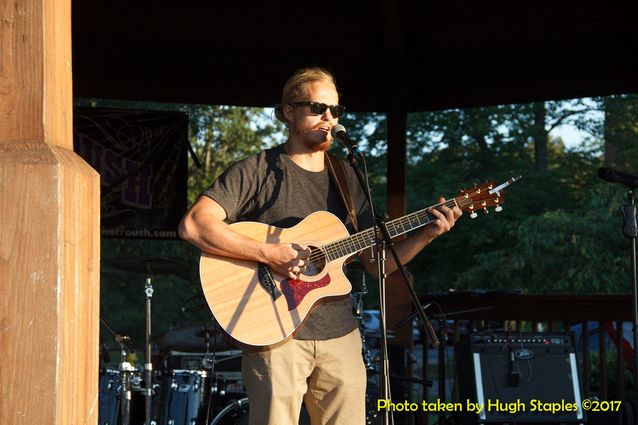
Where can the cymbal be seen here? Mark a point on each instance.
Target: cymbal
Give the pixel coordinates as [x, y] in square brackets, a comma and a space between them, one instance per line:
[192, 338]
[149, 265]
[375, 333]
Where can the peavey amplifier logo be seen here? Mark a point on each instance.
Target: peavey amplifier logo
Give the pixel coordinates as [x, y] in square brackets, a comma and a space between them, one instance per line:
[524, 354]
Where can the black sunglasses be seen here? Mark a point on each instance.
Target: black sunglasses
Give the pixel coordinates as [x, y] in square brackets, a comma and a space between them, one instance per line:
[320, 108]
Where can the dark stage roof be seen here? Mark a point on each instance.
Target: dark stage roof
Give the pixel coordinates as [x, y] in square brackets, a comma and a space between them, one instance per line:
[387, 55]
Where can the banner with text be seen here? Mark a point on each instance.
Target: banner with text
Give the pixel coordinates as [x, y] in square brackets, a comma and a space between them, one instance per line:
[142, 160]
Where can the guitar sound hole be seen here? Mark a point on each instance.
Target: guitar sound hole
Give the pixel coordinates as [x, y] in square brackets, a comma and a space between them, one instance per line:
[317, 262]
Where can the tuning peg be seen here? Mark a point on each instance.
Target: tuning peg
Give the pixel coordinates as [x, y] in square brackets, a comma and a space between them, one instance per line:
[485, 210]
[498, 209]
[474, 214]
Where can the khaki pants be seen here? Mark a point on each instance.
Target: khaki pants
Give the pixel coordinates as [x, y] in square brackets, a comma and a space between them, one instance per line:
[329, 376]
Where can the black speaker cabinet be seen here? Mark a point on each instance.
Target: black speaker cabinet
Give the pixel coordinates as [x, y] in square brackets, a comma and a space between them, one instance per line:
[519, 378]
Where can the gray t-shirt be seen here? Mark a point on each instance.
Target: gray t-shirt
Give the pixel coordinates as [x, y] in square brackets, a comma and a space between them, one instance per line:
[270, 188]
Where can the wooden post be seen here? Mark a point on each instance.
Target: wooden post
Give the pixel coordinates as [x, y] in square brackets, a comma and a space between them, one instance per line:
[399, 301]
[49, 227]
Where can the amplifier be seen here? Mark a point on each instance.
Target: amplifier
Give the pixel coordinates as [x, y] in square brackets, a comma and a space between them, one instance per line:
[520, 378]
[222, 361]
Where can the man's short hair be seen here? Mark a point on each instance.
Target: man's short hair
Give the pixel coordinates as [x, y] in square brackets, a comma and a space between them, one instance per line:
[294, 89]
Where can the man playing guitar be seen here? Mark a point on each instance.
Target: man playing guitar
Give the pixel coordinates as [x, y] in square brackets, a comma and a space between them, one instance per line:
[320, 362]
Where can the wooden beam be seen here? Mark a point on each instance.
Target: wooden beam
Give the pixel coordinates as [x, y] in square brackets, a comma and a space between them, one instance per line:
[49, 227]
[398, 302]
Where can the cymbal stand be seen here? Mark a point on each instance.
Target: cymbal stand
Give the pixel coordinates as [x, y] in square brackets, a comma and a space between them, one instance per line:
[126, 371]
[148, 364]
[126, 375]
[210, 360]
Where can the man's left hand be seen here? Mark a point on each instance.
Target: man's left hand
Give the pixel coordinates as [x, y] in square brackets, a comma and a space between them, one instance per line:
[445, 219]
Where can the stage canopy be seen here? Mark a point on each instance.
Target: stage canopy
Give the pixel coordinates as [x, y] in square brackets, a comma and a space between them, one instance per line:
[411, 55]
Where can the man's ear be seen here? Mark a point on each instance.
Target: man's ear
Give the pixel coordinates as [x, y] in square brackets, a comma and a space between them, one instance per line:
[289, 112]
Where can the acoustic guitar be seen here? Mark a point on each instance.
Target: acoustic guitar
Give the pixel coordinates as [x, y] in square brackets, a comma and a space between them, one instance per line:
[260, 309]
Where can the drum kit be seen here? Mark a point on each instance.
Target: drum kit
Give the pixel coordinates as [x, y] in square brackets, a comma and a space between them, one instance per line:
[194, 375]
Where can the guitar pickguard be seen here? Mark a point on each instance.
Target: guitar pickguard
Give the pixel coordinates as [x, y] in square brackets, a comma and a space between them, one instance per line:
[295, 290]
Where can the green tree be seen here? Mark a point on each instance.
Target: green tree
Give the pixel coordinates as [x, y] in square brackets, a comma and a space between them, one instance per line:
[452, 153]
[222, 135]
[577, 251]
[621, 131]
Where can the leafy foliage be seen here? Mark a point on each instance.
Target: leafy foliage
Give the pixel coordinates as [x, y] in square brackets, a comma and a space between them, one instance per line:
[222, 135]
[560, 230]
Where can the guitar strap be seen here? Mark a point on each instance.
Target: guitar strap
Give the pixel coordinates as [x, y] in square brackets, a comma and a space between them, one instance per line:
[338, 173]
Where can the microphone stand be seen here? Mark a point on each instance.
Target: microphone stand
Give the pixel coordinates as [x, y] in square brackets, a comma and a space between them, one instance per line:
[148, 362]
[630, 230]
[384, 242]
[126, 371]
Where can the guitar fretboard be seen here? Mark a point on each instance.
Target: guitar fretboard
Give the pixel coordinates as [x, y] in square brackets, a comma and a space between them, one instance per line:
[397, 227]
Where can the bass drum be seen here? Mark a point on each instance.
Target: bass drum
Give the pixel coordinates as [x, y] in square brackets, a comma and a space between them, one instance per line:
[235, 413]
[186, 398]
[109, 397]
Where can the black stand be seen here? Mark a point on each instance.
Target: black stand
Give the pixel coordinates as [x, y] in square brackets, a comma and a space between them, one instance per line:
[126, 372]
[122, 340]
[384, 241]
[148, 363]
[630, 230]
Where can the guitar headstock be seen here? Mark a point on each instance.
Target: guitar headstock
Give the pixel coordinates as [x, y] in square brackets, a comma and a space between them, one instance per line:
[480, 198]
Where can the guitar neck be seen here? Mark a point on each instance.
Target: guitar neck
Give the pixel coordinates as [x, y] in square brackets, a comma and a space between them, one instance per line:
[397, 227]
[473, 200]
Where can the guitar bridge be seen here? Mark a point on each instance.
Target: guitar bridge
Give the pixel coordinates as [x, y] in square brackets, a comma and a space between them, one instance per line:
[267, 281]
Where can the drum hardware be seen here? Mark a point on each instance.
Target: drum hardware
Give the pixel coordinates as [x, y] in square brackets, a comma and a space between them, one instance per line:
[110, 387]
[187, 398]
[120, 383]
[197, 337]
[356, 298]
[208, 362]
[237, 411]
[150, 266]
[203, 382]
[229, 355]
[203, 376]
[189, 391]
[124, 341]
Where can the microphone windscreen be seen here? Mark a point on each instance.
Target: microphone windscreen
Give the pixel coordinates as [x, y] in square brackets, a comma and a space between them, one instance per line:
[336, 129]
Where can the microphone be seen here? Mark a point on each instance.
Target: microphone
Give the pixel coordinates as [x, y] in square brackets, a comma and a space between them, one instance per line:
[339, 133]
[611, 175]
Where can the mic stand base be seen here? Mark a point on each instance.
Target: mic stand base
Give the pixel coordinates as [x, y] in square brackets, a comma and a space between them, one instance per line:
[386, 242]
[388, 417]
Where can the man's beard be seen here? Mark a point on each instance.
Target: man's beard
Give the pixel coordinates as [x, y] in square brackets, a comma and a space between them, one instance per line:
[310, 144]
[321, 147]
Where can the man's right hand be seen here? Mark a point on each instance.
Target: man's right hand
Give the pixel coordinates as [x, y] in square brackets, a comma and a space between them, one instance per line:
[287, 259]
